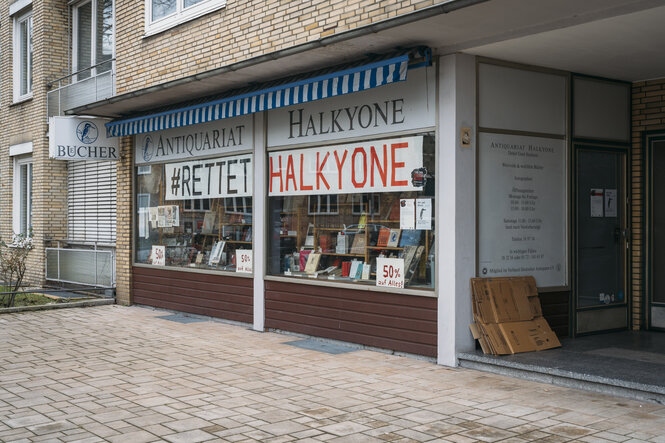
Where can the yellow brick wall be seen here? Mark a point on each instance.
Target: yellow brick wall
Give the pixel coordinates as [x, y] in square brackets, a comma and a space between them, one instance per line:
[124, 204]
[648, 114]
[241, 30]
[26, 122]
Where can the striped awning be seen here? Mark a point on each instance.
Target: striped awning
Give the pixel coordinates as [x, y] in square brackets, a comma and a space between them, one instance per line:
[342, 82]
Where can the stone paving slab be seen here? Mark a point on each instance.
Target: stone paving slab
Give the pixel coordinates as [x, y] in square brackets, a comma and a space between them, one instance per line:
[123, 374]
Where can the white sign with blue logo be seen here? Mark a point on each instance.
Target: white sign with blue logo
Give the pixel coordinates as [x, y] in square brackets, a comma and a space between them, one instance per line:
[81, 138]
[188, 142]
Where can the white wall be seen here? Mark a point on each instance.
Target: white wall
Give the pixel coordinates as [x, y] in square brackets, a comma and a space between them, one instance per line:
[259, 216]
[456, 205]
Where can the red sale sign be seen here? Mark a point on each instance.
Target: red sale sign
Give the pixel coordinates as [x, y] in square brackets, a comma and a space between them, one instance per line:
[244, 260]
[373, 166]
[390, 272]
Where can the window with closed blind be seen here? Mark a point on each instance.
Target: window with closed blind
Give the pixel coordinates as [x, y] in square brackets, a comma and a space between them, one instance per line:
[91, 201]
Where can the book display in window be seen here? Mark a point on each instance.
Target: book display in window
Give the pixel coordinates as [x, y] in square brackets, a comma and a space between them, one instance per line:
[196, 233]
[344, 245]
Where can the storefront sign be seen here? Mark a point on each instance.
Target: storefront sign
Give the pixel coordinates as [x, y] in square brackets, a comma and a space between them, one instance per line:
[213, 178]
[244, 260]
[523, 208]
[206, 139]
[81, 138]
[399, 106]
[390, 272]
[374, 166]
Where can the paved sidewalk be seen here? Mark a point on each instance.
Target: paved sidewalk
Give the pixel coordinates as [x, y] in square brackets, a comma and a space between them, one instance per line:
[119, 374]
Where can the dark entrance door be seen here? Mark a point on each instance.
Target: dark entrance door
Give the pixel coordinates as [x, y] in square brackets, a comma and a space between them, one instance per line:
[600, 232]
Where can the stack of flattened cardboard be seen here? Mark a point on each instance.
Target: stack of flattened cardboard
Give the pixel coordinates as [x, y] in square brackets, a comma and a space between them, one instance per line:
[508, 317]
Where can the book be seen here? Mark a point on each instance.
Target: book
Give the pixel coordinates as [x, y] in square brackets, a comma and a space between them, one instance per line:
[325, 242]
[342, 246]
[346, 268]
[216, 253]
[393, 238]
[366, 271]
[358, 244]
[208, 222]
[303, 259]
[363, 221]
[384, 236]
[309, 239]
[412, 255]
[312, 262]
[356, 269]
[410, 237]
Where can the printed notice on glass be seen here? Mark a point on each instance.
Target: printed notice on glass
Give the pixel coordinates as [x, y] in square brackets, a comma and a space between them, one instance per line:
[610, 202]
[407, 214]
[390, 272]
[244, 260]
[596, 202]
[158, 255]
[424, 214]
[522, 208]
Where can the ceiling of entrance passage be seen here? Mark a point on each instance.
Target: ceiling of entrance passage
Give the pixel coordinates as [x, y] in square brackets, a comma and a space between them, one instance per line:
[627, 47]
[620, 39]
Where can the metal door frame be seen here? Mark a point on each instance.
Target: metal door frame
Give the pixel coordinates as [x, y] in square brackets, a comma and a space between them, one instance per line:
[649, 139]
[619, 148]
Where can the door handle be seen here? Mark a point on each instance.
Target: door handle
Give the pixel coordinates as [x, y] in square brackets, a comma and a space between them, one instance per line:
[617, 234]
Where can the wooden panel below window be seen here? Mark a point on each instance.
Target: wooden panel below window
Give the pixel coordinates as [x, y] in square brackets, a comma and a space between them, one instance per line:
[214, 295]
[556, 310]
[404, 323]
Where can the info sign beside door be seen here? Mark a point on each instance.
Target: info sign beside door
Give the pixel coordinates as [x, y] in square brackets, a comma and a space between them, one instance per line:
[523, 208]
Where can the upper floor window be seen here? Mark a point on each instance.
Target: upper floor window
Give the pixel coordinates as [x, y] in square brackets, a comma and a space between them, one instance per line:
[23, 57]
[92, 38]
[164, 14]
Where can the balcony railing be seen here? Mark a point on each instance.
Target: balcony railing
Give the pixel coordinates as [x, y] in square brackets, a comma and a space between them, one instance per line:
[71, 91]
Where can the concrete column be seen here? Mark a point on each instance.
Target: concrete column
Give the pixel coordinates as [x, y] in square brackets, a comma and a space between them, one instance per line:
[259, 220]
[456, 204]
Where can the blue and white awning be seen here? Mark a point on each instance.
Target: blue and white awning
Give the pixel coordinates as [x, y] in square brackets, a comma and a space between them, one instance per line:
[342, 82]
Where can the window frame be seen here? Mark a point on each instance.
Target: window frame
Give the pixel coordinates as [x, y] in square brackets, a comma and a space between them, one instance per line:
[17, 47]
[17, 195]
[181, 15]
[93, 39]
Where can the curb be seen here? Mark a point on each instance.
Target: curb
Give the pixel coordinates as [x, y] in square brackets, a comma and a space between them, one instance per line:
[78, 304]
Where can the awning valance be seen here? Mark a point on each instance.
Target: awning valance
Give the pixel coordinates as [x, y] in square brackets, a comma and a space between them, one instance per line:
[341, 82]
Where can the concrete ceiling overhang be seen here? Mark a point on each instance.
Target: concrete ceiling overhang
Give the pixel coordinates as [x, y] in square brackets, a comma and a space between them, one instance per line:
[608, 38]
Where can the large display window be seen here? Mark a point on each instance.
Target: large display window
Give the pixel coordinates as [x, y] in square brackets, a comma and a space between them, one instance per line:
[195, 214]
[360, 213]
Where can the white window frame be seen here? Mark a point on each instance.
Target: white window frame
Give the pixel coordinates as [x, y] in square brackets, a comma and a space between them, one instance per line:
[18, 20]
[181, 15]
[18, 197]
[93, 37]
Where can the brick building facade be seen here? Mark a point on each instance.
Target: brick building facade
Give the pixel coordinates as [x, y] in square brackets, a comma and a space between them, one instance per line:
[497, 72]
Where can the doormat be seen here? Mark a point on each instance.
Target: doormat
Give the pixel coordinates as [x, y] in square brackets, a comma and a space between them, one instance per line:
[181, 318]
[321, 346]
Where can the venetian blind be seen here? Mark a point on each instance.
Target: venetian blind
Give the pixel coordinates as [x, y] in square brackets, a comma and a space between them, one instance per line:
[91, 197]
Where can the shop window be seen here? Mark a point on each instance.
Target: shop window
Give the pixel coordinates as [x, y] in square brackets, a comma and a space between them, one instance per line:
[203, 230]
[382, 237]
[23, 57]
[92, 37]
[164, 14]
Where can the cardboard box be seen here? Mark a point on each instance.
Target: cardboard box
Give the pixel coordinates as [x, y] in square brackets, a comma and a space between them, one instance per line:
[532, 335]
[499, 300]
[508, 316]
